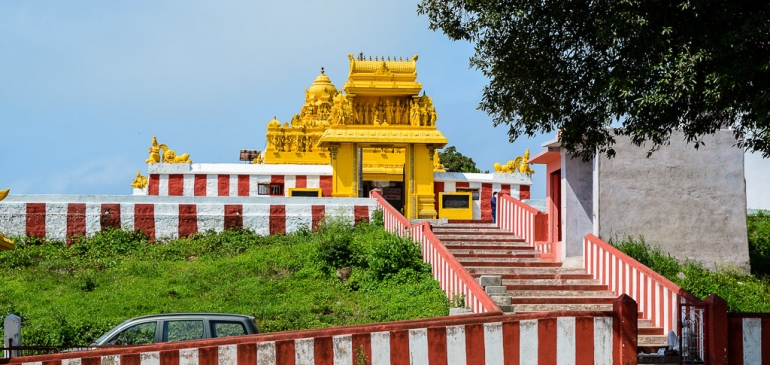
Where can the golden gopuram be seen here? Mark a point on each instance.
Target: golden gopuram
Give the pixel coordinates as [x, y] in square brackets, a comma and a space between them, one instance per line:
[380, 116]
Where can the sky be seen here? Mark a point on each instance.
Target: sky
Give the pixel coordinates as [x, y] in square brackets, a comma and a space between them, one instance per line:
[85, 84]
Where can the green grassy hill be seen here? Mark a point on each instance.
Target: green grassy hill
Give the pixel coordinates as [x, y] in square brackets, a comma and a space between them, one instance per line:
[71, 295]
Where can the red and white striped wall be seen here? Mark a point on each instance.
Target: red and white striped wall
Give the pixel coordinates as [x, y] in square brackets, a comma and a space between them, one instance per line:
[198, 184]
[570, 338]
[748, 338]
[62, 217]
[482, 210]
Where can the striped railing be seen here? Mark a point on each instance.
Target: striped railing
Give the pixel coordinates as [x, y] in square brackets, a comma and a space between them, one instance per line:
[525, 221]
[451, 275]
[658, 297]
[545, 338]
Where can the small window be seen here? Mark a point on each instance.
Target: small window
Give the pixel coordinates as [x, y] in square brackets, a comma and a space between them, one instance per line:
[138, 334]
[182, 330]
[227, 329]
[270, 189]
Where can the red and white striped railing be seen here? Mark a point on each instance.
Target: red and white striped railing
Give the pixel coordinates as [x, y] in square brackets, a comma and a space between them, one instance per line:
[451, 275]
[657, 296]
[524, 221]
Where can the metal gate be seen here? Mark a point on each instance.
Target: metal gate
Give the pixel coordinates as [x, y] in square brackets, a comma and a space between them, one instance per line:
[692, 333]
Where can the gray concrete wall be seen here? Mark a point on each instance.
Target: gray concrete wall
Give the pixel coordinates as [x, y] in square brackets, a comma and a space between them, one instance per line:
[692, 203]
[577, 201]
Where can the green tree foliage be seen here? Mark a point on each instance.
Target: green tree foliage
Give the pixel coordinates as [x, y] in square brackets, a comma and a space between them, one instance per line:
[646, 66]
[454, 161]
[759, 242]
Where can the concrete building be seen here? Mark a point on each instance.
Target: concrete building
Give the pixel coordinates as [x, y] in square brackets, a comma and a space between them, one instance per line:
[691, 203]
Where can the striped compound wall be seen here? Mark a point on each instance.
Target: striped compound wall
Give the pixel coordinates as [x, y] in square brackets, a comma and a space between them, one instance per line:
[563, 338]
[63, 216]
[231, 184]
[748, 337]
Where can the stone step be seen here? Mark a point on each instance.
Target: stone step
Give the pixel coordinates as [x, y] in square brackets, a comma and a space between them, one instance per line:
[561, 287]
[478, 238]
[650, 341]
[580, 275]
[563, 300]
[519, 282]
[470, 231]
[502, 271]
[503, 261]
[489, 246]
[493, 253]
[465, 225]
[644, 322]
[510, 263]
[562, 293]
[650, 331]
[533, 308]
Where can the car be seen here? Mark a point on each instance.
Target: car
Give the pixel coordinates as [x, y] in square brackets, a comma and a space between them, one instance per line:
[174, 327]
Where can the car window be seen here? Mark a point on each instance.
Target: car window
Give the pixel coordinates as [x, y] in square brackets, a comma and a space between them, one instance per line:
[182, 330]
[227, 329]
[138, 334]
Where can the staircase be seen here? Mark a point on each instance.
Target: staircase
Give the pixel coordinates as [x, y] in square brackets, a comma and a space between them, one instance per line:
[526, 282]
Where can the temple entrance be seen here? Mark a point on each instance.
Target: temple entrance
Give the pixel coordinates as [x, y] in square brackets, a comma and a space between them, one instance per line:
[392, 191]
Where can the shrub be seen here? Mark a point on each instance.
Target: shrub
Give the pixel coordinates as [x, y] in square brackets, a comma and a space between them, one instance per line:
[743, 293]
[759, 242]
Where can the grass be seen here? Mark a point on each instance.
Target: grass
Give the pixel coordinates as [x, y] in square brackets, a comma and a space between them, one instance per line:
[69, 296]
[743, 292]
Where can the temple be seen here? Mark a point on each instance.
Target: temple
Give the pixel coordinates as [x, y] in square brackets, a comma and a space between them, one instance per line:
[378, 131]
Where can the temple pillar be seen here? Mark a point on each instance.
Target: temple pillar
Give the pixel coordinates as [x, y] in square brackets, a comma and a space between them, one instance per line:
[418, 179]
[345, 167]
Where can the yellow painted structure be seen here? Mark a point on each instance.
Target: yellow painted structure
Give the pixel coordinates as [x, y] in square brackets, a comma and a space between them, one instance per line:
[520, 164]
[169, 156]
[382, 113]
[5, 243]
[449, 209]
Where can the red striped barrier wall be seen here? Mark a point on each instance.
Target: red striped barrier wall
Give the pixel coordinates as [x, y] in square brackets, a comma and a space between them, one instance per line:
[451, 275]
[168, 218]
[748, 340]
[657, 296]
[231, 184]
[525, 221]
[545, 338]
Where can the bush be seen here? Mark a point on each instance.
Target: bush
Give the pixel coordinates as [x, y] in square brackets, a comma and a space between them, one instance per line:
[759, 242]
[743, 293]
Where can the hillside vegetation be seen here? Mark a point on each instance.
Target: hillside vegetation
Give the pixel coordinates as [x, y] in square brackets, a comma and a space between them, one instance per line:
[71, 295]
[743, 292]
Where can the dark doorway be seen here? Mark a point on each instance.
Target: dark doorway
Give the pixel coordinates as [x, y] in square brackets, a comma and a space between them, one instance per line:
[556, 205]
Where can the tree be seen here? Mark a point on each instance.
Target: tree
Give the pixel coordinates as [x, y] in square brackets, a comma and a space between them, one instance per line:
[644, 67]
[455, 161]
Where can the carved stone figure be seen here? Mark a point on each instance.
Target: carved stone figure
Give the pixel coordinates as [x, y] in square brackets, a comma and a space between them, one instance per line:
[414, 115]
[140, 182]
[520, 164]
[433, 116]
[171, 157]
[389, 112]
[399, 110]
[155, 151]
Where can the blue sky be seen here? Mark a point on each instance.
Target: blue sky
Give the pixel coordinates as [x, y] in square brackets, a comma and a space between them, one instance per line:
[84, 84]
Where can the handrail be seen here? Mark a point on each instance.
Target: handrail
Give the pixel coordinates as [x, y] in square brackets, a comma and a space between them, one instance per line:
[657, 296]
[451, 275]
[524, 221]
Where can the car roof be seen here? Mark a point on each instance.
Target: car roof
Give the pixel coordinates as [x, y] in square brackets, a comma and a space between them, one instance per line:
[190, 314]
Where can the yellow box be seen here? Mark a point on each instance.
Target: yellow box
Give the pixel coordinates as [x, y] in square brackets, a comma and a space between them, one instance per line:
[305, 192]
[455, 206]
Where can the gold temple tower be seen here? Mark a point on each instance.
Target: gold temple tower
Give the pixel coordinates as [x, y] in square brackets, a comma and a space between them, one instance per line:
[380, 112]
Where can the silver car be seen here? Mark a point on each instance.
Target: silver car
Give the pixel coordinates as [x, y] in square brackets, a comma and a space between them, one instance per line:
[177, 327]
